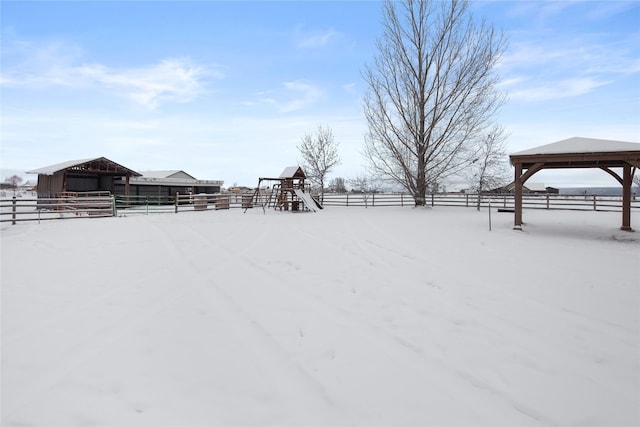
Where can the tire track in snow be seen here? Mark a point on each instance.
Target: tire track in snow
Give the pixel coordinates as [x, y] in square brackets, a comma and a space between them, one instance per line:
[532, 350]
[272, 359]
[372, 335]
[82, 351]
[94, 336]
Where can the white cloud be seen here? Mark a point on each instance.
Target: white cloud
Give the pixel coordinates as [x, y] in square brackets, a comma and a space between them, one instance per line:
[540, 70]
[296, 95]
[171, 80]
[315, 39]
[520, 89]
[60, 64]
[302, 94]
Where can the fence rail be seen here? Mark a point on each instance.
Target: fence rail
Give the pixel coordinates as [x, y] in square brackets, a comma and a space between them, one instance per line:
[18, 209]
[83, 205]
[505, 201]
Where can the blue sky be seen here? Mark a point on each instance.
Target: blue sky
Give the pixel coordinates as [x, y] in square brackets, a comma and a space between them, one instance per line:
[226, 90]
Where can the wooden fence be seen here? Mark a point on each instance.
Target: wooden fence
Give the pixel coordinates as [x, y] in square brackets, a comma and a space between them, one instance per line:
[504, 201]
[92, 205]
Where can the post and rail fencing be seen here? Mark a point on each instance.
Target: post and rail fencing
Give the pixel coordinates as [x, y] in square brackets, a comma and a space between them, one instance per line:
[103, 204]
[62, 206]
[499, 201]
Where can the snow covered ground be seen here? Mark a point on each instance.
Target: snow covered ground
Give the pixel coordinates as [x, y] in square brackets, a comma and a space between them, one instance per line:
[348, 316]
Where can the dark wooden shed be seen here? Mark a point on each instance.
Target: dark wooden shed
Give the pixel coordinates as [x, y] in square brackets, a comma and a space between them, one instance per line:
[98, 174]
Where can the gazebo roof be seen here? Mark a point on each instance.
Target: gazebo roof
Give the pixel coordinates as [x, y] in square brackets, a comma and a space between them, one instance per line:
[577, 145]
[580, 152]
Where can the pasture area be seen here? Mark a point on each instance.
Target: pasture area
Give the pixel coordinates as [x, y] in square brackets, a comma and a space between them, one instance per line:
[349, 316]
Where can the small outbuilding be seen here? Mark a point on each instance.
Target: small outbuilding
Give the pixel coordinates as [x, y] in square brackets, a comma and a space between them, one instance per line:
[579, 152]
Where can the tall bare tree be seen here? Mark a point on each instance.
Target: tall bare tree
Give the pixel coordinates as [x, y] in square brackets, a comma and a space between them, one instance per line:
[432, 92]
[490, 169]
[319, 155]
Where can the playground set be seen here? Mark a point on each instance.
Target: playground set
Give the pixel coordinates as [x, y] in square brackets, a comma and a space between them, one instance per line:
[289, 192]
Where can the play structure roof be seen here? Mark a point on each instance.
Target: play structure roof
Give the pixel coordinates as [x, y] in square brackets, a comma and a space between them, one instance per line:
[293, 172]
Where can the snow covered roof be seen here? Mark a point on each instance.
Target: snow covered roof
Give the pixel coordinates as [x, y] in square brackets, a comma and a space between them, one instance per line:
[167, 174]
[293, 172]
[536, 186]
[581, 145]
[88, 164]
[50, 170]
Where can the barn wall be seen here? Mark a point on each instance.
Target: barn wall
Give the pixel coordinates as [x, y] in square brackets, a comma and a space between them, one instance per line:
[50, 185]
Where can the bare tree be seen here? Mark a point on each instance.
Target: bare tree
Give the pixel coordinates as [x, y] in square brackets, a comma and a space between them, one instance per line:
[490, 169]
[363, 184]
[319, 155]
[366, 185]
[432, 92]
[338, 185]
[14, 181]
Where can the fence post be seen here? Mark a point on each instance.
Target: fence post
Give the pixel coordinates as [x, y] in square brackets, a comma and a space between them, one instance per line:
[114, 210]
[176, 203]
[401, 200]
[594, 203]
[146, 204]
[13, 211]
[432, 200]
[373, 199]
[547, 201]
[467, 200]
[347, 199]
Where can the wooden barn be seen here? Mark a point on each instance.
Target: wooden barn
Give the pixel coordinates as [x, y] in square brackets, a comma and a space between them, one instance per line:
[98, 174]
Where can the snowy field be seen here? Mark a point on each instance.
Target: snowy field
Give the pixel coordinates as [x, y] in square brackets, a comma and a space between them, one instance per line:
[348, 316]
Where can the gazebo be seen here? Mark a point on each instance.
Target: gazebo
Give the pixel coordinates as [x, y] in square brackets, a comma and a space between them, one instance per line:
[579, 152]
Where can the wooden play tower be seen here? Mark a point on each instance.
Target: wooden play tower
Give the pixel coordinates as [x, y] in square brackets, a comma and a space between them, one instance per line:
[289, 192]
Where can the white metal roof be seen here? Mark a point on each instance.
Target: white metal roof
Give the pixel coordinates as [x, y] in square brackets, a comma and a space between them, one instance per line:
[536, 186]
[581, 145]
[167, 174]
[50, 170]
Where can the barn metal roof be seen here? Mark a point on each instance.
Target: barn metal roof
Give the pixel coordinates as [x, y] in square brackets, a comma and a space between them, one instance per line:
[167, 174]
[93, 165]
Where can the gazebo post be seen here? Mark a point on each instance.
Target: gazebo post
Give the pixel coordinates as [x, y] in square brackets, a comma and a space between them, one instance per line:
[517, 217]
[626, 197]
